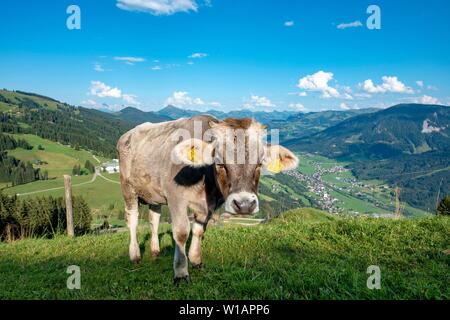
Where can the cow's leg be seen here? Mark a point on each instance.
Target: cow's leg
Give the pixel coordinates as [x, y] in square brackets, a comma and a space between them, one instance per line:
[180, 229]
[154, 217]
[132, 212]
[195, 250]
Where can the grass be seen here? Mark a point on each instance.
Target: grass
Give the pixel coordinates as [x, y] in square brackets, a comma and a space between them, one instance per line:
[99, 195]
[61, 159]
[305, 254]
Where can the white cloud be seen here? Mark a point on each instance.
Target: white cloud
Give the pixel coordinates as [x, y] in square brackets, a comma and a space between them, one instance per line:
[130, 60]
[344, 106]
[156, 68]
[158, 7]
[215, 104]
[354, 24]
[319, 82]
[428, 100]
[131, 99]
[289, 23]
[198, 55]
[258, 101]
[98, 67]
[298, 107]
[182, 99]
[390, 84]
[419, 83]
[101, 90]
[432, 88]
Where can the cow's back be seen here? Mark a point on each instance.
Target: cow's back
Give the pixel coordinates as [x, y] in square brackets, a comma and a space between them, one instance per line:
[145, 156]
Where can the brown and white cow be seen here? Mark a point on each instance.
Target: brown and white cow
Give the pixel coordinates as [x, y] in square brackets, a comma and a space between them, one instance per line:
[200, 164]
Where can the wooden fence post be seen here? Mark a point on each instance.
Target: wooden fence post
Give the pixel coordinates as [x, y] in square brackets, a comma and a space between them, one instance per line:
[69, 209]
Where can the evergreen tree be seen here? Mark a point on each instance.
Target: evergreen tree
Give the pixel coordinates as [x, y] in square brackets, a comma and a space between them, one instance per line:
[444, 207]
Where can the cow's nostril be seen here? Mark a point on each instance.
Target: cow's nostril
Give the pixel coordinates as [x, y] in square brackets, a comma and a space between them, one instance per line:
[252, 205]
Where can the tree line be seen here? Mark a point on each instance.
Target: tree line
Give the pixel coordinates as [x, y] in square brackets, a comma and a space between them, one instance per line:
[13, 170]
[40, 217]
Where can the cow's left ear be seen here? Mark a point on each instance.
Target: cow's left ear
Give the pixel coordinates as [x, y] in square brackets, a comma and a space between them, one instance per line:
[194, 153]
[279, 159]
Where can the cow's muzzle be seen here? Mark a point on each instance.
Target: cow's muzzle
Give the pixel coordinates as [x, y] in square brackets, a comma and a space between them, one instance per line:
[242, 203]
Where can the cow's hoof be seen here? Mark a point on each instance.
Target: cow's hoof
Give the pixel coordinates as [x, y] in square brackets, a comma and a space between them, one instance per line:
[178, 280]
[155, 254]
[198, 266]
[136, 260]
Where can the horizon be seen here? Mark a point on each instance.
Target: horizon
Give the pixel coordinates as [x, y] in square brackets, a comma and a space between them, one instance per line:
[206, 55]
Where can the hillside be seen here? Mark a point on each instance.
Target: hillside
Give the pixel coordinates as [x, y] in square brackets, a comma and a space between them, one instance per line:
[305, 254]
[402, 129]
[29, 113]
[405, 145]
[136, 116]
[306, 124]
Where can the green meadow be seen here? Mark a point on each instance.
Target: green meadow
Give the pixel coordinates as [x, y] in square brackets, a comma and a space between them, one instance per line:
[304, 254]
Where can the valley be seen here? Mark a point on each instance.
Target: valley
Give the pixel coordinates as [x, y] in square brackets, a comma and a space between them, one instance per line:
[350, 161]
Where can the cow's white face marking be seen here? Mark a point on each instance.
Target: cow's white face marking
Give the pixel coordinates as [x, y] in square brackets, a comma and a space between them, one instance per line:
[242, 203]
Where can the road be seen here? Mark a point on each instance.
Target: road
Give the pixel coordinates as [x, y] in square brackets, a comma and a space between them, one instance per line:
[94, 177]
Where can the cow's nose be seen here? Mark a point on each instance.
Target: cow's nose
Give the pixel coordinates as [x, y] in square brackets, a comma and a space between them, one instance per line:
[245, 206]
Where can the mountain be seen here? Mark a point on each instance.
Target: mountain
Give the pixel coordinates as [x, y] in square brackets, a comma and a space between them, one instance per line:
[400, 130]
[407, 146]
[136, 116]
[176, 113]
[305, 124]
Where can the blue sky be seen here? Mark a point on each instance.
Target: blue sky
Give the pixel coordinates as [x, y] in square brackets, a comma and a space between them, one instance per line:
[228, 55]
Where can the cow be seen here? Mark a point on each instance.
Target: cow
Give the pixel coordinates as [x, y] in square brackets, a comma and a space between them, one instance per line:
[191, 164]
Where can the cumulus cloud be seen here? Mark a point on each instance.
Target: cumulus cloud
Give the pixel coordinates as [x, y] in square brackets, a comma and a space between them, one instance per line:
[289, 23]
[156, 68]
[182, 99]
[130, 60]
[258, 101]
[298, 107]
[101, 90]
[419, 83]
[198, 55]
[131, 99]
[319, 82]
[215, 104]
[158, 7]
[390, 84]
[344, 106]
[355, 24]
[428, 100]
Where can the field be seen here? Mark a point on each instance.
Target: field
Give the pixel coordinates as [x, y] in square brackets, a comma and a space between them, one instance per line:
[305, 254]
[60, 159]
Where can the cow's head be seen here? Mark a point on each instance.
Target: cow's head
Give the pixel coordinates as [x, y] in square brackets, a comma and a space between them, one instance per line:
[236, 149]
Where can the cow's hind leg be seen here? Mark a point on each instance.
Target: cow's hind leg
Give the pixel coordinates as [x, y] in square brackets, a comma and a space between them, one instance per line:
[132, 212]
[180, 229]
[154, 217]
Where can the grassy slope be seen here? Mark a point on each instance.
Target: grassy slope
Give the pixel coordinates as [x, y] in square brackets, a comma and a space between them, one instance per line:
[61, 159]
[304, 255]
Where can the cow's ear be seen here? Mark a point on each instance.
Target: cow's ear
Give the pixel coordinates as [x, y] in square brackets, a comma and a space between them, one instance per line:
[279, 159]
[194, 153]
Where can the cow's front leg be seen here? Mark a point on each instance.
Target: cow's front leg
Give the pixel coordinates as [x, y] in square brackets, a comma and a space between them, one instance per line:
[195, 250]
[180, 230]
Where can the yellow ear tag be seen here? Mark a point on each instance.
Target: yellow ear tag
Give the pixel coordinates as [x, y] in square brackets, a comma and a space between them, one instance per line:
[192, 155]
[275, 166]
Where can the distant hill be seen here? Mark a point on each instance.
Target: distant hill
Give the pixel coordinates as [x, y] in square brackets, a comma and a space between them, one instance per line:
[399, 130]
[406, 145]
[305, 124]
[136, 116]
